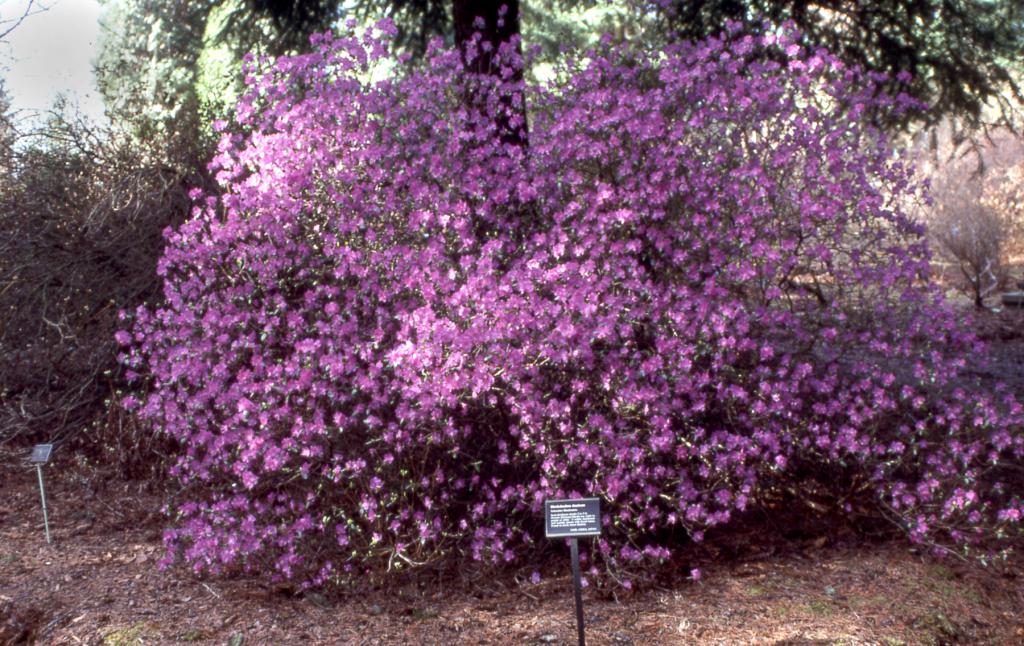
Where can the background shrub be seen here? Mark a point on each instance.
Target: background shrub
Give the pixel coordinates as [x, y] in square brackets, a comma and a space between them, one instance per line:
[975, 214]
[82, 213]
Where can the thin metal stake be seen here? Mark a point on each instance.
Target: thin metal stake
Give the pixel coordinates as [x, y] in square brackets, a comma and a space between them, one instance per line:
[42, 493]
[574, 552]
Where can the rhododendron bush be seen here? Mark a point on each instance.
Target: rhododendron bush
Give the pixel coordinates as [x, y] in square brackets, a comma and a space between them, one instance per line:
[394, 336]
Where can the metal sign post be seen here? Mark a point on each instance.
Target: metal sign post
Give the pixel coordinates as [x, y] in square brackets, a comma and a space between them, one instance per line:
[577, 589]
[572, 519]
[40, 456]
[42, 494]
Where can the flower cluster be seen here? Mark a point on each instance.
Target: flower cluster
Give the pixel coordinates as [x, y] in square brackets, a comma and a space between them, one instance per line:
[396, 334]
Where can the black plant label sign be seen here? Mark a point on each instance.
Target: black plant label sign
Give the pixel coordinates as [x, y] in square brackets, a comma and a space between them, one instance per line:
[572, 518]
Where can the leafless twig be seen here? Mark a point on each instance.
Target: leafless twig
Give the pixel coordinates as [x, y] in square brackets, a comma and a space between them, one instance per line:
[32, 7]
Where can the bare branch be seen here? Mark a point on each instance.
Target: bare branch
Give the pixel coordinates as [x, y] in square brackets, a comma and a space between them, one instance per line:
[32, 7]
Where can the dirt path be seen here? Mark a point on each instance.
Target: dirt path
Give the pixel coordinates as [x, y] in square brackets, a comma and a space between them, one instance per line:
[98, 584]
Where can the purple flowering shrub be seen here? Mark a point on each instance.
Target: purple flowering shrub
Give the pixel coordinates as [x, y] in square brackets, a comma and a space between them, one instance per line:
[395, 336]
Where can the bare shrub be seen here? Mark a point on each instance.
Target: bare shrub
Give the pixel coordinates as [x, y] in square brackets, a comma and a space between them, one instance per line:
[82, 213]
[974, 218]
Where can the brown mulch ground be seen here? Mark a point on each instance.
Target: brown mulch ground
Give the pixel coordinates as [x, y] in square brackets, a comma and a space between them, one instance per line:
[98, 584]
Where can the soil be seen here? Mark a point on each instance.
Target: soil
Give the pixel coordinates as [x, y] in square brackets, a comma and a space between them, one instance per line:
[98, 583]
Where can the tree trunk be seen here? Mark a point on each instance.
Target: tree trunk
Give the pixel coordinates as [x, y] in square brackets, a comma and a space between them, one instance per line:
[498, 27]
